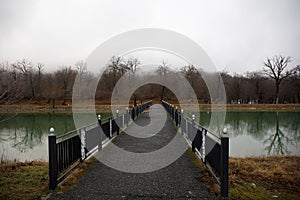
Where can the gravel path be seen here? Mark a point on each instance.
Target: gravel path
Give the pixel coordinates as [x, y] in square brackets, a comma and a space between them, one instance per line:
[176, 181]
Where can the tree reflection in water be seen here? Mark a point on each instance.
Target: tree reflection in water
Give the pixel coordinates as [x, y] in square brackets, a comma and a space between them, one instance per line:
[27, 131]
[278, 132]
[277, 143]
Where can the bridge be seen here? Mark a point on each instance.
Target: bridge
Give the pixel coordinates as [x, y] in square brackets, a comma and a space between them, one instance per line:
[177, 180]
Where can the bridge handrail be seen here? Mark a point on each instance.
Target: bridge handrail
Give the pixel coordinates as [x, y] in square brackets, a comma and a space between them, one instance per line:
[218, 137]
[72, 148]
[216, 160]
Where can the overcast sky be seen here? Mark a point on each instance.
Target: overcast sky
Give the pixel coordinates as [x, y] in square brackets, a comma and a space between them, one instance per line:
[237, 35]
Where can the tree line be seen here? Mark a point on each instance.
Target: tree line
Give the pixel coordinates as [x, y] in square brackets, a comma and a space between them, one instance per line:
[24, 80]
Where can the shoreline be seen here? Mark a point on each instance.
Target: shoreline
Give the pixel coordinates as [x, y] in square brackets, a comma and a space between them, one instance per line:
[67, 109]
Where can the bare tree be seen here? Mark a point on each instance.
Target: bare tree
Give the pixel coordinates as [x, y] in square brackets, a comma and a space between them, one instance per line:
[81, 68]
[163, 69]
[192, 75]
[276, 69]
[40, 68]
[26, 68]
[66, 77]
[133, 64]
[114, 67]
[295, 83]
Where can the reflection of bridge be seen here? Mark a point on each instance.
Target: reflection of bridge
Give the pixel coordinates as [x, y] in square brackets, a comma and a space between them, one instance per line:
[175, 180]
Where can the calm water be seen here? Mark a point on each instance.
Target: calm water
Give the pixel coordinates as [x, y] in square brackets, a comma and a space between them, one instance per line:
[24, 137]
[261, 133]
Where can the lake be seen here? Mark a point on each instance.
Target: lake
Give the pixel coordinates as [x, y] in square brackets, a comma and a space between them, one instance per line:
[24, 136]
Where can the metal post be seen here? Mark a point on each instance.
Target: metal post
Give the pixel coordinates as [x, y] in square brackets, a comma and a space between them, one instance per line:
[181, 117]
[176, 116]
[99, 120]
[123, 118]
[224, 163]
[204, 131]
[186, 127]
[110, 128]
[52, 160]
[82, 140]
[100, 139]
[132, 113]
[173, 112]
[117, 122]
[193, 120]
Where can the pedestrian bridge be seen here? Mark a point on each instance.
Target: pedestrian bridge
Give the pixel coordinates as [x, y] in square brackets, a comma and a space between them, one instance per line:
[144, 153]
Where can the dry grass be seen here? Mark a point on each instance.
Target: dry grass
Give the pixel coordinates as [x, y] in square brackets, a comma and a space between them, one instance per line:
[29, 180]
[74, 177]
[275, 177]
[278, 174]
[104, 106]
[245, 107]
[26, 180]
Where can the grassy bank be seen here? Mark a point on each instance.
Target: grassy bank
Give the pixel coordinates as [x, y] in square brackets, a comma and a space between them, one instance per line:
[266, 178]
[30, 180]
[27, 180]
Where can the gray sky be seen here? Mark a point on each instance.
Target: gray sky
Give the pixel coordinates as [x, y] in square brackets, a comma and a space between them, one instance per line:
[237, 35]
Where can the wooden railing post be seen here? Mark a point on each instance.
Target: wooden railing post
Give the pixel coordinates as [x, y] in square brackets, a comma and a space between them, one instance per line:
[224, 163]
[52, 160]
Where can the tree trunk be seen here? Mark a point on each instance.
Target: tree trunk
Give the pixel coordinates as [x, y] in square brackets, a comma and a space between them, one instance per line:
[277, 94]
[53, 103]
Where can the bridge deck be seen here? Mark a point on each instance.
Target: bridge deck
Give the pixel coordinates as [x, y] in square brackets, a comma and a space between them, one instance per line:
[179, 180]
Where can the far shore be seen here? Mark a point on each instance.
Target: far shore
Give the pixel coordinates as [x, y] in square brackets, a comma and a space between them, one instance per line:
[34, 107]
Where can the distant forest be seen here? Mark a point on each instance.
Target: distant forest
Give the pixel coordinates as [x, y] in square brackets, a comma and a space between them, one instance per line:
[24, 80]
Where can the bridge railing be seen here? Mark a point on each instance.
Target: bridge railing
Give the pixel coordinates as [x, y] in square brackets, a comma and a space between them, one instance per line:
[68, 150]
[212, 149]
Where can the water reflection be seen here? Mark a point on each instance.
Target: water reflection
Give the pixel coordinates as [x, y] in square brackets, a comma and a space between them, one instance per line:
[261, 133]
[24, 137]
[277, 143]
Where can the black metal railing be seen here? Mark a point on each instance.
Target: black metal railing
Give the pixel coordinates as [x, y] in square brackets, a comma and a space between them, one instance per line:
[213, 150]
[68, 150]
